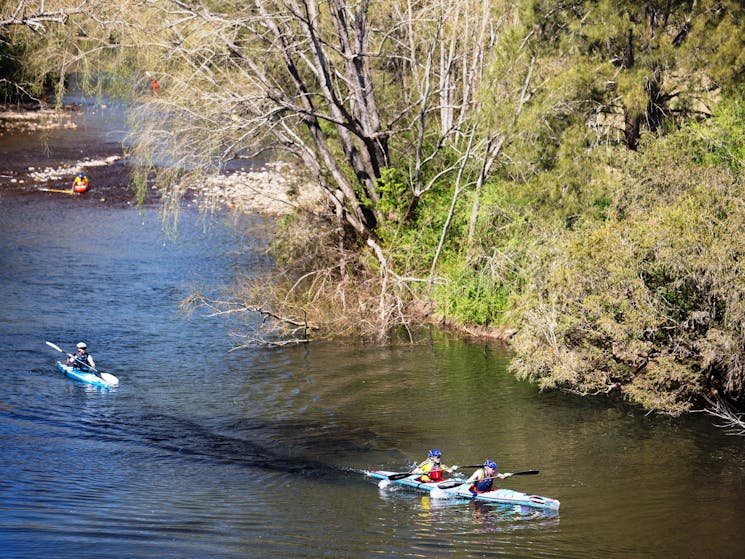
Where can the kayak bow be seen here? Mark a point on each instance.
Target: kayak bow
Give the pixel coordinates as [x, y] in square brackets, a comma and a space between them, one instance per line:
[497, 496]
[88, 378]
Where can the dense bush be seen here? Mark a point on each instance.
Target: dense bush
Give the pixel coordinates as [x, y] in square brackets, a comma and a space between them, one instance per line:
[652, 299]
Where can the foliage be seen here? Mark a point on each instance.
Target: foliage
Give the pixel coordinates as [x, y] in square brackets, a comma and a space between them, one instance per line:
[393, 195]
[10, 71]
[472, 295]
[651, 299]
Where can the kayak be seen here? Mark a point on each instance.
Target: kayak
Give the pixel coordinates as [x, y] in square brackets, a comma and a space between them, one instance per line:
[500, 496]
[77, 374]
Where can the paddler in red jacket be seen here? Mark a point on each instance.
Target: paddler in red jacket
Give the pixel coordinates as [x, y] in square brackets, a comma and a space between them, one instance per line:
[432, 468]
[80, 184]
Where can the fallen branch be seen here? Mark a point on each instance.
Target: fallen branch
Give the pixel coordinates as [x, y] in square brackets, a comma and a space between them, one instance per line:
[730, 419]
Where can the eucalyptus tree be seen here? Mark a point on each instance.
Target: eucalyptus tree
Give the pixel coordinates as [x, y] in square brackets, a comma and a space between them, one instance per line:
[30, 16]
[349, 89]
[653, 62]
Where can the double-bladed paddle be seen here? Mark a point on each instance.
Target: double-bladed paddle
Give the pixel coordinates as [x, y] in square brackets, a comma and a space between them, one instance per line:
[69, 191]
[400, 475]
[455, 483]
[111, 379]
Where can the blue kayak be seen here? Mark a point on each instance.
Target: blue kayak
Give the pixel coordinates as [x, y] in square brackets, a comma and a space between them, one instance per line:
[88, 378]
[500, 496]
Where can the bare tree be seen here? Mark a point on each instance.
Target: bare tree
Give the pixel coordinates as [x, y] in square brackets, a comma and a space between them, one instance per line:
[38, 15]
[345, 88]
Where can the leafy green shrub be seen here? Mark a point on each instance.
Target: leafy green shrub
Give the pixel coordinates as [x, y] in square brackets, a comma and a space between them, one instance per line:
[471, 296]
[650, 300]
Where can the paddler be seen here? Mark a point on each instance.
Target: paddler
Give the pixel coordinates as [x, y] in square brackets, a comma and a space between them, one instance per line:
[80, 183]
[481, 479]
[432, 468]
[82, 360]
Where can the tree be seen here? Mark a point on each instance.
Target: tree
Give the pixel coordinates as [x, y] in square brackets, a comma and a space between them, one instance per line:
[654, 61]
[31, 16]
[349, 89]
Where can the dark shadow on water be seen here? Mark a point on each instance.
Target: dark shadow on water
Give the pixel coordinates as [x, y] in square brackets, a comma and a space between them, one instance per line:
[247, 444]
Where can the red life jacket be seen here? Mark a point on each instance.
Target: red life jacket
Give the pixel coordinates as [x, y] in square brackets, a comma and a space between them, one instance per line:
[435, 474]
[80, 185]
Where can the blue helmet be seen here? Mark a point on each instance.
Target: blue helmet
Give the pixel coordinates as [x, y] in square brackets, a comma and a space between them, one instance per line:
[434, 453]
[81, 175]
[490, 464]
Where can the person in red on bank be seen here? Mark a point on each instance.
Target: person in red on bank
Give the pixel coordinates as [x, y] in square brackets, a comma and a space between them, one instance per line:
[154, 85]
[432, 468]
[80, 184]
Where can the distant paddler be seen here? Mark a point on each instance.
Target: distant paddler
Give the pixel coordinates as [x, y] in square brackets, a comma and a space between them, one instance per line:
[80, 184]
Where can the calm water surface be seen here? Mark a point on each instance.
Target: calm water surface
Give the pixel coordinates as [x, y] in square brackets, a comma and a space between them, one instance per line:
[201, 452]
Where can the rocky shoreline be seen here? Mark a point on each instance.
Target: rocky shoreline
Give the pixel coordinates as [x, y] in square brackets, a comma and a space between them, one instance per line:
[15, 118]
[274, 188]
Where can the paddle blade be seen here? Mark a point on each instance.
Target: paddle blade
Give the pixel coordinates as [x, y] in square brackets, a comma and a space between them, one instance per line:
[526, 473]
[111, 379]
[50, 344]
[394, 477]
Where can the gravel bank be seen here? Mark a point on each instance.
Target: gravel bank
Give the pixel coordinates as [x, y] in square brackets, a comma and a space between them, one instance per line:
[272, 189]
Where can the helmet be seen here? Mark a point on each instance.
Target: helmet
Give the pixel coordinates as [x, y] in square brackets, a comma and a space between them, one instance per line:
[434, 453]
[490, 464]
[81, 175]
[82, 345]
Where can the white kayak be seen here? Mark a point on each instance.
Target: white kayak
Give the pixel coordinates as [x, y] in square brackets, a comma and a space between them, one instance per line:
[461, 491]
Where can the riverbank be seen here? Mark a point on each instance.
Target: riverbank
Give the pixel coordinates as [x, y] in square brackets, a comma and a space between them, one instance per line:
[44, 148]
[50, 147]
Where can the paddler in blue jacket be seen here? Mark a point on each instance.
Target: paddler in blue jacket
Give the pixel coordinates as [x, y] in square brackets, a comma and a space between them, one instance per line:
[82, 360]
[481, 480]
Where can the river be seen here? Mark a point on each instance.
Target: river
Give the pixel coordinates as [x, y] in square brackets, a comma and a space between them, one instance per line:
[203, 452]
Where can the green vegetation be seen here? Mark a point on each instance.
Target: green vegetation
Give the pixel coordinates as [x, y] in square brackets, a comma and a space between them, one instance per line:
[571, 169]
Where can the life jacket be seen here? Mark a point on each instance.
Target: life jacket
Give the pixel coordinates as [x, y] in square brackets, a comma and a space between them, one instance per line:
[80, 185]
[435, 474]
[81, 363]
[481, 486]
[431, 471]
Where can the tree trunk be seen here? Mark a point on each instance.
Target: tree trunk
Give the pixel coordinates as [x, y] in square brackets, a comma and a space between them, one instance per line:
[631, 129]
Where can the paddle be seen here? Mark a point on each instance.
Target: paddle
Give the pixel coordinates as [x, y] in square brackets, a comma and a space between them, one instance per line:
[449, 484]
[71, 191]
[111, 379]
[400, 475]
